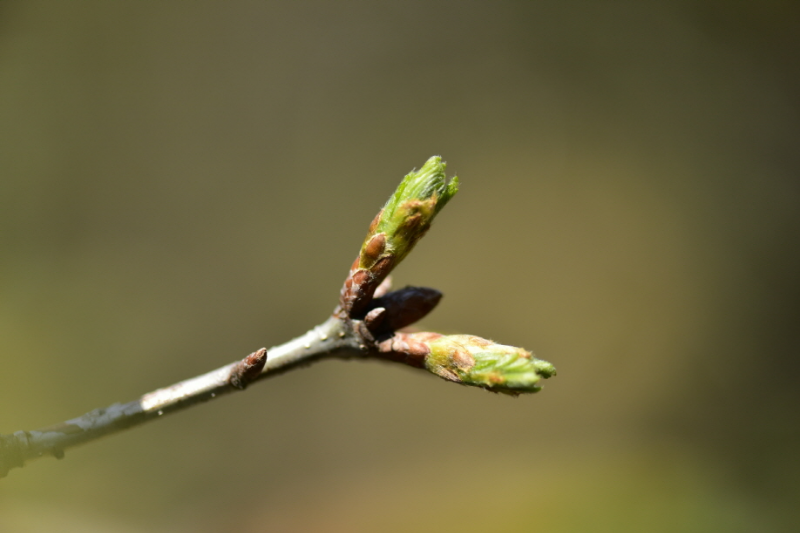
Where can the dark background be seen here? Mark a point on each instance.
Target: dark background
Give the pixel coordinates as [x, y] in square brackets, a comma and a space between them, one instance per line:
[182, 183]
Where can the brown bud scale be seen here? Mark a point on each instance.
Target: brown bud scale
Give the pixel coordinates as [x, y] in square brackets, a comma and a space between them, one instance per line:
[412, 223]
[405, 349]
[360, 277]
[375, 318]
[417, 348]
[373, 249]
[463, 359]
[382, 268]
[374, 224]
[446, 374]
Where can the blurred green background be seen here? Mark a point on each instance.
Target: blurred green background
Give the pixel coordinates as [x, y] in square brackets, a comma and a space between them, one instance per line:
[182, 183]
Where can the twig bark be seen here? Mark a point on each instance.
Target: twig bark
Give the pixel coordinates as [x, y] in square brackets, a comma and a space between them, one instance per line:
[334, 338]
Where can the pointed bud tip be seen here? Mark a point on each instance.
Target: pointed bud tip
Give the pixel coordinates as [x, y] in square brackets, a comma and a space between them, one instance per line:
[427, 183]
[431, 180]
[544, 368]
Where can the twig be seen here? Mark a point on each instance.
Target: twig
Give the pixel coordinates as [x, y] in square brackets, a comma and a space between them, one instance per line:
[366, 324]
[332, 339]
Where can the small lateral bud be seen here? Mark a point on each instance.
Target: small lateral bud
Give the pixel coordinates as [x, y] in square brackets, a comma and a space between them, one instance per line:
[375, 318]
[374, 223]
[248, 369]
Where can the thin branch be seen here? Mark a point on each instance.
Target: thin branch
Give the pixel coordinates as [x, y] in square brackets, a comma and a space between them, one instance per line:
[334, 338]
[365, 324]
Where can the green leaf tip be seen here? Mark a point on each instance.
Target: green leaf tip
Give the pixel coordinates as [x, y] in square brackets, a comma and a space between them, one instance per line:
[402, 222]
[408, 214]
[428, 182]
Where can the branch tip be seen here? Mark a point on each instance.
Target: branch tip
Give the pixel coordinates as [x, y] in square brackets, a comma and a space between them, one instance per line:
[401, 223]
[470, 360]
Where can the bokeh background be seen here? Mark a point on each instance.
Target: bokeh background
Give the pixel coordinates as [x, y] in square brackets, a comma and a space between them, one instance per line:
[182, 183]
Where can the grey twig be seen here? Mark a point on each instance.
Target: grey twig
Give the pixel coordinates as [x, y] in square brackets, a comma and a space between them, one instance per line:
[334, 338]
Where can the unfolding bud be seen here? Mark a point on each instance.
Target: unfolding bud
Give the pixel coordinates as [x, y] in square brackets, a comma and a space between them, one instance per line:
[409, 212]
[402, 222]
[470, 360]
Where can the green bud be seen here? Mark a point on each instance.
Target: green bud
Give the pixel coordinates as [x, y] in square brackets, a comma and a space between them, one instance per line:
[408, 214]
[482, 363]
[402, 222]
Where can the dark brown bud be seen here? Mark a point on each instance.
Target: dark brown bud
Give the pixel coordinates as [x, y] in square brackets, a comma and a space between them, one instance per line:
[408, 305]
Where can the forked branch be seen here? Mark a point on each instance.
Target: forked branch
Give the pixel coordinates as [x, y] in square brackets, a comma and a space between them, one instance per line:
[366, 324]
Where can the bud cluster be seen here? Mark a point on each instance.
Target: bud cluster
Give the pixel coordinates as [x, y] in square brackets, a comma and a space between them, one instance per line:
[378, 315]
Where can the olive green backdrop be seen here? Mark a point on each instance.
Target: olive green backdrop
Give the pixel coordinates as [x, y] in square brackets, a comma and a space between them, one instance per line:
[182, 183]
